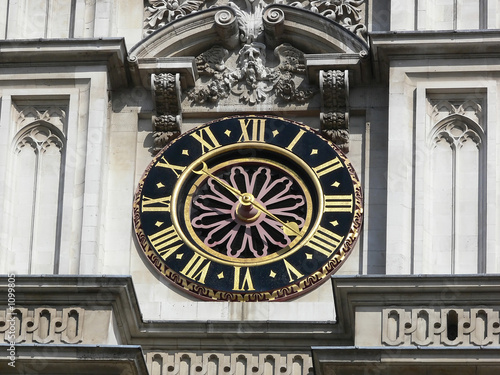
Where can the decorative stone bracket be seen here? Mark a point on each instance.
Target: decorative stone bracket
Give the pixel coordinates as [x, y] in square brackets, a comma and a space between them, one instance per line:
[334, 116]
[166, 90]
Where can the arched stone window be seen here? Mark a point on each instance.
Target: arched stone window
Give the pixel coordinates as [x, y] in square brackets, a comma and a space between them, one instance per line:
[37, 195]
[453, 197]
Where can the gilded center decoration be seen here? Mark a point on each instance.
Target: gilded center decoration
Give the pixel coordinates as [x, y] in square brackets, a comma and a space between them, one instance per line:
[248, 208]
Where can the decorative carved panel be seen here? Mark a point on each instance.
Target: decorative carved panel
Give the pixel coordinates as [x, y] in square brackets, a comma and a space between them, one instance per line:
[445, 326]
[208, 363]
[43, 325]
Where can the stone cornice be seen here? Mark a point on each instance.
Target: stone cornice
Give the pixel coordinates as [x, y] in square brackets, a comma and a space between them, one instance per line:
[110, 52]
[81, 359]
[431, 45]
[395, 361]
[117, 294]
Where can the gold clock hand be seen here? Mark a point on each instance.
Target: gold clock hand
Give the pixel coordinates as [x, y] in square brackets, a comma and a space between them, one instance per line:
[248, 198]
[290, 226]
[204, 170]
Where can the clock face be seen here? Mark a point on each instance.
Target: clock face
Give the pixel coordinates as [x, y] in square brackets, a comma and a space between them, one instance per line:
[248, 208]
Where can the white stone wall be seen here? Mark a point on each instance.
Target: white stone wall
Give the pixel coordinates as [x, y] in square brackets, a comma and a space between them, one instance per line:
[443, 15]
[75, 217]
[442, 199]
[33, 19]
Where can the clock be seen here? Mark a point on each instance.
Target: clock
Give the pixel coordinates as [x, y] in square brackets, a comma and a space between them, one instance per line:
[248, 208]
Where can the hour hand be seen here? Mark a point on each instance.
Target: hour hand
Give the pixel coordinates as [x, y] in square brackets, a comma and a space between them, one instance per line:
[204, 170]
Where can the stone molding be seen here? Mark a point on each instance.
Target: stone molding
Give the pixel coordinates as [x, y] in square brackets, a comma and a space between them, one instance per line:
[109, 52]
[404, 360]
[116, 294]
[197, 345]
[53, 359]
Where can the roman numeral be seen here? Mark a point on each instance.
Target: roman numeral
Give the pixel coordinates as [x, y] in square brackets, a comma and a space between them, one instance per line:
[338, 203]
[206, 138]
[156, 204]
[246, 284]
[325, 241]
[166, 241]
[173, 167]
[295, 140]
[328, 167]
[197, 268]
[292, 270]
[257, 126]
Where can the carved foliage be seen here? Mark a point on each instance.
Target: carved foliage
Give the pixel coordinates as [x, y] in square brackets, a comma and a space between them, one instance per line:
[160, 12]
[446, 326]
[43, 325]
[334, 114]
[349, 13]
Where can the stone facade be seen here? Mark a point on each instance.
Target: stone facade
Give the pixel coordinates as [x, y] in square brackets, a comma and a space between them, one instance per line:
[91, 90]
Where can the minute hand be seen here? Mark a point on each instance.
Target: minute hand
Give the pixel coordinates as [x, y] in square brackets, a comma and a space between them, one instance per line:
[274, 217]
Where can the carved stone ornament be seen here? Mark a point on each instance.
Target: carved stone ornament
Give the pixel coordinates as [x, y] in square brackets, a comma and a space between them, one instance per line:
[167, 93]
[251, 80]
[252, 66]
[334, 113]
[348, 13]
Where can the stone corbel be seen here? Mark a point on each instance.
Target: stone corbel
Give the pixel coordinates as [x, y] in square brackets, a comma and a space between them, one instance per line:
[274, 25]
[334, 117]
[226, 24]
[166, 88]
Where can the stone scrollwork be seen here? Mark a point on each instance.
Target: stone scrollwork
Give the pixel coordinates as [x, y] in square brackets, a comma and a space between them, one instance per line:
[167, 94]
[334, 116]
[350, 14]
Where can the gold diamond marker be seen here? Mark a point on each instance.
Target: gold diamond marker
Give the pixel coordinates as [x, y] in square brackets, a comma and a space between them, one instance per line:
[179, 256]
[220, 275]
[336, 184]
[314, 151]
[159, 223]
[228, 133]
[272, 274]
[334, 223]
[159, 185]
[309, 256]
[185, 152]
[275, 132]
